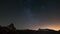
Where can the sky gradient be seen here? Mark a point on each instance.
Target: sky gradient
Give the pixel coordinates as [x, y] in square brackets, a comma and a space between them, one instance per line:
[30, 14]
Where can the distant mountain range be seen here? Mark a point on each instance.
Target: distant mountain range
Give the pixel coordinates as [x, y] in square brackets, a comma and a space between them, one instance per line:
[10, 29]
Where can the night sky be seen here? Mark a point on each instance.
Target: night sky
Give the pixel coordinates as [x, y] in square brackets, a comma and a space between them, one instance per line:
[30, 14]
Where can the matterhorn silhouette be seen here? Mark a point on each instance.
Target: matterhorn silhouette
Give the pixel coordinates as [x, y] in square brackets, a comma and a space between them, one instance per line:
[10, 29]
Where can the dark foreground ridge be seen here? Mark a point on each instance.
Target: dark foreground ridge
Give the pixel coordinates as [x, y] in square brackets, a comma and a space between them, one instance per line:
[10, 29]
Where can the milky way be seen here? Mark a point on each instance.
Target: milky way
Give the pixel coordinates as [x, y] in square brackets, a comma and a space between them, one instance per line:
[31, 14]
[28, 10]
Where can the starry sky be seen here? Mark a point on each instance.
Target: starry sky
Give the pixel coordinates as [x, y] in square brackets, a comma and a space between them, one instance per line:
[30, 14]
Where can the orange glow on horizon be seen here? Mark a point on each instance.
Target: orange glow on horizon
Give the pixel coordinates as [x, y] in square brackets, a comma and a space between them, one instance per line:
[53, 27]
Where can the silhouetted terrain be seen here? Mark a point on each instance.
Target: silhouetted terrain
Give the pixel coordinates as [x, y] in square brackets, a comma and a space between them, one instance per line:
[10, 29]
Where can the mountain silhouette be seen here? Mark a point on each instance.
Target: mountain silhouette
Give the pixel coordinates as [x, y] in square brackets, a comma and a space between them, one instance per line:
[10, 29]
